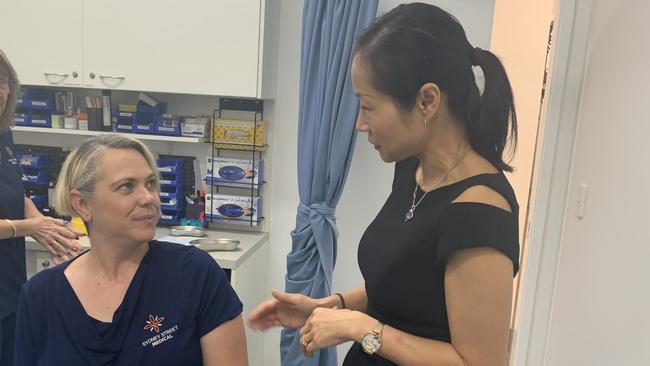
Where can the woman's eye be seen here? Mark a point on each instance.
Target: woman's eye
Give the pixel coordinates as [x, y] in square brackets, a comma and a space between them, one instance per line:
[125, 187]
[151, 184]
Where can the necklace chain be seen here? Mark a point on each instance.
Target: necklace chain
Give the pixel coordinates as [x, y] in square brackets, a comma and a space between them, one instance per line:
[411, 212]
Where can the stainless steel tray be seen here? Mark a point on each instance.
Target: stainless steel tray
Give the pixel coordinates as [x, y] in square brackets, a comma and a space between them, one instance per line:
[216, 244]
[186, 231]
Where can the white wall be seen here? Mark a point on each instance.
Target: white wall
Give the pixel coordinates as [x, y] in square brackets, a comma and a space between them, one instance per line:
[600, 306]
[369, 180]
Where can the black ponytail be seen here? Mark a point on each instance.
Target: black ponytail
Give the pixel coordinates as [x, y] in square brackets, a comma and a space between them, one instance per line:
[418, 43]
[494, 127]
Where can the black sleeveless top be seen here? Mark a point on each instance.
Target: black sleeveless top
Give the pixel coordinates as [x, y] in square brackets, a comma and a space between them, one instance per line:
[403, 263]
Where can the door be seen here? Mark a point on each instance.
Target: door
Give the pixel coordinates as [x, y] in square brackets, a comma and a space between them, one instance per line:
[196, 46]
[42, 38]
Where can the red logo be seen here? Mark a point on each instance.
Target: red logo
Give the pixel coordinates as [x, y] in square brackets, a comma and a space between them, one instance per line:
[154, 323]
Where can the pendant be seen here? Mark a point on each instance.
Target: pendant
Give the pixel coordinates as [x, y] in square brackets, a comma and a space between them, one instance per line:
[409, 216]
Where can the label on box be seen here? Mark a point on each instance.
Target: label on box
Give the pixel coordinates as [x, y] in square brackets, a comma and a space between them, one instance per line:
[193, 129]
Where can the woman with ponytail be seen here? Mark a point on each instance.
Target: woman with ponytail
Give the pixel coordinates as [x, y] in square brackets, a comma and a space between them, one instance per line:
[439, 259]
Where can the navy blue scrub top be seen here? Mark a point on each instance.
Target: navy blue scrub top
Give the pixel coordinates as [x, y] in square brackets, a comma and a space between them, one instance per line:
[12, 206]
[177, 295]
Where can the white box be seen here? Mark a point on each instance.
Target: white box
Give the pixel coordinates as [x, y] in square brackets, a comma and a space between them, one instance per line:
[233, 209]
[238, 171]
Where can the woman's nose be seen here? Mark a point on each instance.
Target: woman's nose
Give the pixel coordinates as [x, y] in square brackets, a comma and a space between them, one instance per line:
[361, 125]
[148, 196]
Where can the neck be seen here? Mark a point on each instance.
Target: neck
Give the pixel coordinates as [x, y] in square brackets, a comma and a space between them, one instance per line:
[448, 145]
[115, 262]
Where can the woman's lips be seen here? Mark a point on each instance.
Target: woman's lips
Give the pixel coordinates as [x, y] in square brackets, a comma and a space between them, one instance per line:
[146, 219]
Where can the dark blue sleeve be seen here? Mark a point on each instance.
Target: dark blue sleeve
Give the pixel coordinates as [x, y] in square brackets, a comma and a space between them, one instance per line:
[25, 348]
[218, 301]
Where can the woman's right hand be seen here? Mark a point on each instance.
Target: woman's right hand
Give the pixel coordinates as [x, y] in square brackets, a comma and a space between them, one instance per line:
[285, 310]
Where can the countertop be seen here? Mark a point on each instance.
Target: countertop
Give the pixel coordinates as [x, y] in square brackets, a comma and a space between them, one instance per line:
[249, 242]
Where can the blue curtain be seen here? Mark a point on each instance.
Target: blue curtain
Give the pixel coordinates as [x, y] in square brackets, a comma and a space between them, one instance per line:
[326, 138]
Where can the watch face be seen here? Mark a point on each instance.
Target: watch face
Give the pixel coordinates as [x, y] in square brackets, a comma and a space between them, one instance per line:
[370, 343]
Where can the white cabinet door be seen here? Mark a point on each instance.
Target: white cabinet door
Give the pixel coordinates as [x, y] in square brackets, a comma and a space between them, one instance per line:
[194, 46]
[42, 39]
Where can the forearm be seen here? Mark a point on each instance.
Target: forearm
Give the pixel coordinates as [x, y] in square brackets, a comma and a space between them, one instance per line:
[406, 349]
[355, 299]
[30, 209]
[23, 228]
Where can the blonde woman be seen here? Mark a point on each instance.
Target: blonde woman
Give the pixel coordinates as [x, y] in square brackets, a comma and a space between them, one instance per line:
[19, 218]
[129, 300]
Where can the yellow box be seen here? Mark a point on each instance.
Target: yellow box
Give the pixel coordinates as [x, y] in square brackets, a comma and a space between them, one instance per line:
[126, 107]
[239, 134]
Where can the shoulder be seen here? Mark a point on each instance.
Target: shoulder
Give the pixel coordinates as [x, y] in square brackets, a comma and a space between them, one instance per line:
[40, 284]
[186, 256]
[483, 194]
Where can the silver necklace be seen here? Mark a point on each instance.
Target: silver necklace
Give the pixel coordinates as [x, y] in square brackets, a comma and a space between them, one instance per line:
[411, 212]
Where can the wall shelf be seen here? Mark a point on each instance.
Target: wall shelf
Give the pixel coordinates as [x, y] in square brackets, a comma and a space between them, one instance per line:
[59, 131]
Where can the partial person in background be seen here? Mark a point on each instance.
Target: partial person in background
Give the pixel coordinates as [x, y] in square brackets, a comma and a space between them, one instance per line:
[439, 259]
[129, 300]
[19, 218]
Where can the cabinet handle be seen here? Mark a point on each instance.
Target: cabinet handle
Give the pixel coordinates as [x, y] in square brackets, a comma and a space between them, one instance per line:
[116, 80]
[112, 77]
[45, 264]
[62, 76]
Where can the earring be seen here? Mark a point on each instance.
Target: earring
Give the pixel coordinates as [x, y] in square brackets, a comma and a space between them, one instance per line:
[426, 123]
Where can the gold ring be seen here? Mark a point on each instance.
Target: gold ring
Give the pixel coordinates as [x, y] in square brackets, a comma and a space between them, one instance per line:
[303, 342]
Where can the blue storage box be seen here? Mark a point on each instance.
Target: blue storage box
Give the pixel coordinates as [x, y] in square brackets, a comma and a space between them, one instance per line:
[33, 159]
[171, 192]
[170, 166]
[145, 123]
[167, 179]
[170, 217]
[23, 101]
[41, 99]
[168, 125]
[124, 121]
[22, 118]
[36, 176]
[40, 119]
[170, 203]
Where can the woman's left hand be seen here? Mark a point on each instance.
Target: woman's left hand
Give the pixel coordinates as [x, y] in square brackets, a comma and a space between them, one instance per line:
[330, 327]
[59, 239]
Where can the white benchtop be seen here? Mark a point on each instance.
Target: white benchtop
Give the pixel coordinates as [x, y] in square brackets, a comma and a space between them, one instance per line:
[249, 242]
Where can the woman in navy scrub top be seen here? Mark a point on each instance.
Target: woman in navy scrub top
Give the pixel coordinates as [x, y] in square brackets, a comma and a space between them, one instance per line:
[129, 300]
[19, 218]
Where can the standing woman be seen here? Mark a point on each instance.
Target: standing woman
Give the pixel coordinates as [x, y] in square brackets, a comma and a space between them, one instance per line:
[439, 259]
[19, 218]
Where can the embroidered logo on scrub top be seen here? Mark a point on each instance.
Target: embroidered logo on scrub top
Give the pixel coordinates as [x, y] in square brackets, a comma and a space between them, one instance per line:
[154, 323]
[11, 159]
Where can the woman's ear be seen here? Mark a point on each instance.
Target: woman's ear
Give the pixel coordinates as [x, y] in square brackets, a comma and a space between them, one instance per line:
[428, 101]
[80, 205]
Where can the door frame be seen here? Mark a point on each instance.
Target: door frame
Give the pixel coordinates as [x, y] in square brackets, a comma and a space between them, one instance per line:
[551, 181]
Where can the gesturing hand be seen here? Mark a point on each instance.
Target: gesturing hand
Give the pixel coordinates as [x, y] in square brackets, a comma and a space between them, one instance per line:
[285, 310]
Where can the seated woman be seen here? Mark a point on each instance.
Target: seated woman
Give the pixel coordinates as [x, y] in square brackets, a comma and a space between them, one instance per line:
[129, 300]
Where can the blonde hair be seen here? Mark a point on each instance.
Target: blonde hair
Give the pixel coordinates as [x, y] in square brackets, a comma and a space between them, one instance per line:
[7, 116]
[81, 170]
